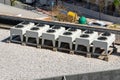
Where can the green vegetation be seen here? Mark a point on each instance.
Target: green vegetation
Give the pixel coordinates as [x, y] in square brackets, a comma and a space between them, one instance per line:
[117, 5]
[12, 2]
[115, 26]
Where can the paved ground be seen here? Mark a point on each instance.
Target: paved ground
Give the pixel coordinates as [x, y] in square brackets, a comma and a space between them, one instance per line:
[17, 12]
[19, 62]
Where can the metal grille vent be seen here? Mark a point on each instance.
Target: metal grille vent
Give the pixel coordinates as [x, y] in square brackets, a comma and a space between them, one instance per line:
[40, 25]
[89, 31]
[102, 38]
[84, 36]
[19, 26]
[67, 33]
[50, 31]
[56, 27]
[72, 29]
[106, 34]
[34, 28]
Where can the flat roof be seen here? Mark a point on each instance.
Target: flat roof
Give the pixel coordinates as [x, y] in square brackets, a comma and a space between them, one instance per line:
[19, 62]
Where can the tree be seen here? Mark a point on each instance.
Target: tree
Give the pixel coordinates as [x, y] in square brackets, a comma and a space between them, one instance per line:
[116, 4]
[12, 2]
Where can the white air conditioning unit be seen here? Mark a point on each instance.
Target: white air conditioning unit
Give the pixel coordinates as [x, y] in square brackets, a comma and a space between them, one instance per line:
[69, 36]
[104, 41]
[52, 34]
[36, 32]
[20, 29]
[85, 39]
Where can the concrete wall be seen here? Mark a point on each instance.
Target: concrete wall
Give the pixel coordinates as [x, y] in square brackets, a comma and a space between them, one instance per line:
[105, 75]
[5, 2]
[1, 1]
[80, 10]
[46, 1]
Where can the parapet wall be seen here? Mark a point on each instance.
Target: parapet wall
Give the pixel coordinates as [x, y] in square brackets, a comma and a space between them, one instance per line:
[105, 75]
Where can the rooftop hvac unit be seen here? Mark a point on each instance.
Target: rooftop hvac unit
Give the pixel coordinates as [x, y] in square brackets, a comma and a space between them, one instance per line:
[20, 29]
[69, 36]
[52, 34]
[104, 41]
[85, 39]
[36, 32]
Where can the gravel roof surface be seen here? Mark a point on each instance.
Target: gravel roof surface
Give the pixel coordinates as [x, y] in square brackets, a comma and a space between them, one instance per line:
[19, 62]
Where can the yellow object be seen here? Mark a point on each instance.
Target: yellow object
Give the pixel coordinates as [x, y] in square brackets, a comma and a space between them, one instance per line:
[69, 16]
[72, 14]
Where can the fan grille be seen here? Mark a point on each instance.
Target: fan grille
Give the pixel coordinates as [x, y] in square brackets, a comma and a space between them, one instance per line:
[34, 28]
[40, 25]
[84, 36]
[106, 34]
[89, 31]
[72, 29]
[67, 33]
[19, 26]
[102, 38]
[50, 31]
[56, 27]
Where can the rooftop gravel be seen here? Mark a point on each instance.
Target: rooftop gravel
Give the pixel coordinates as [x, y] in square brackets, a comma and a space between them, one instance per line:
[19, 62]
